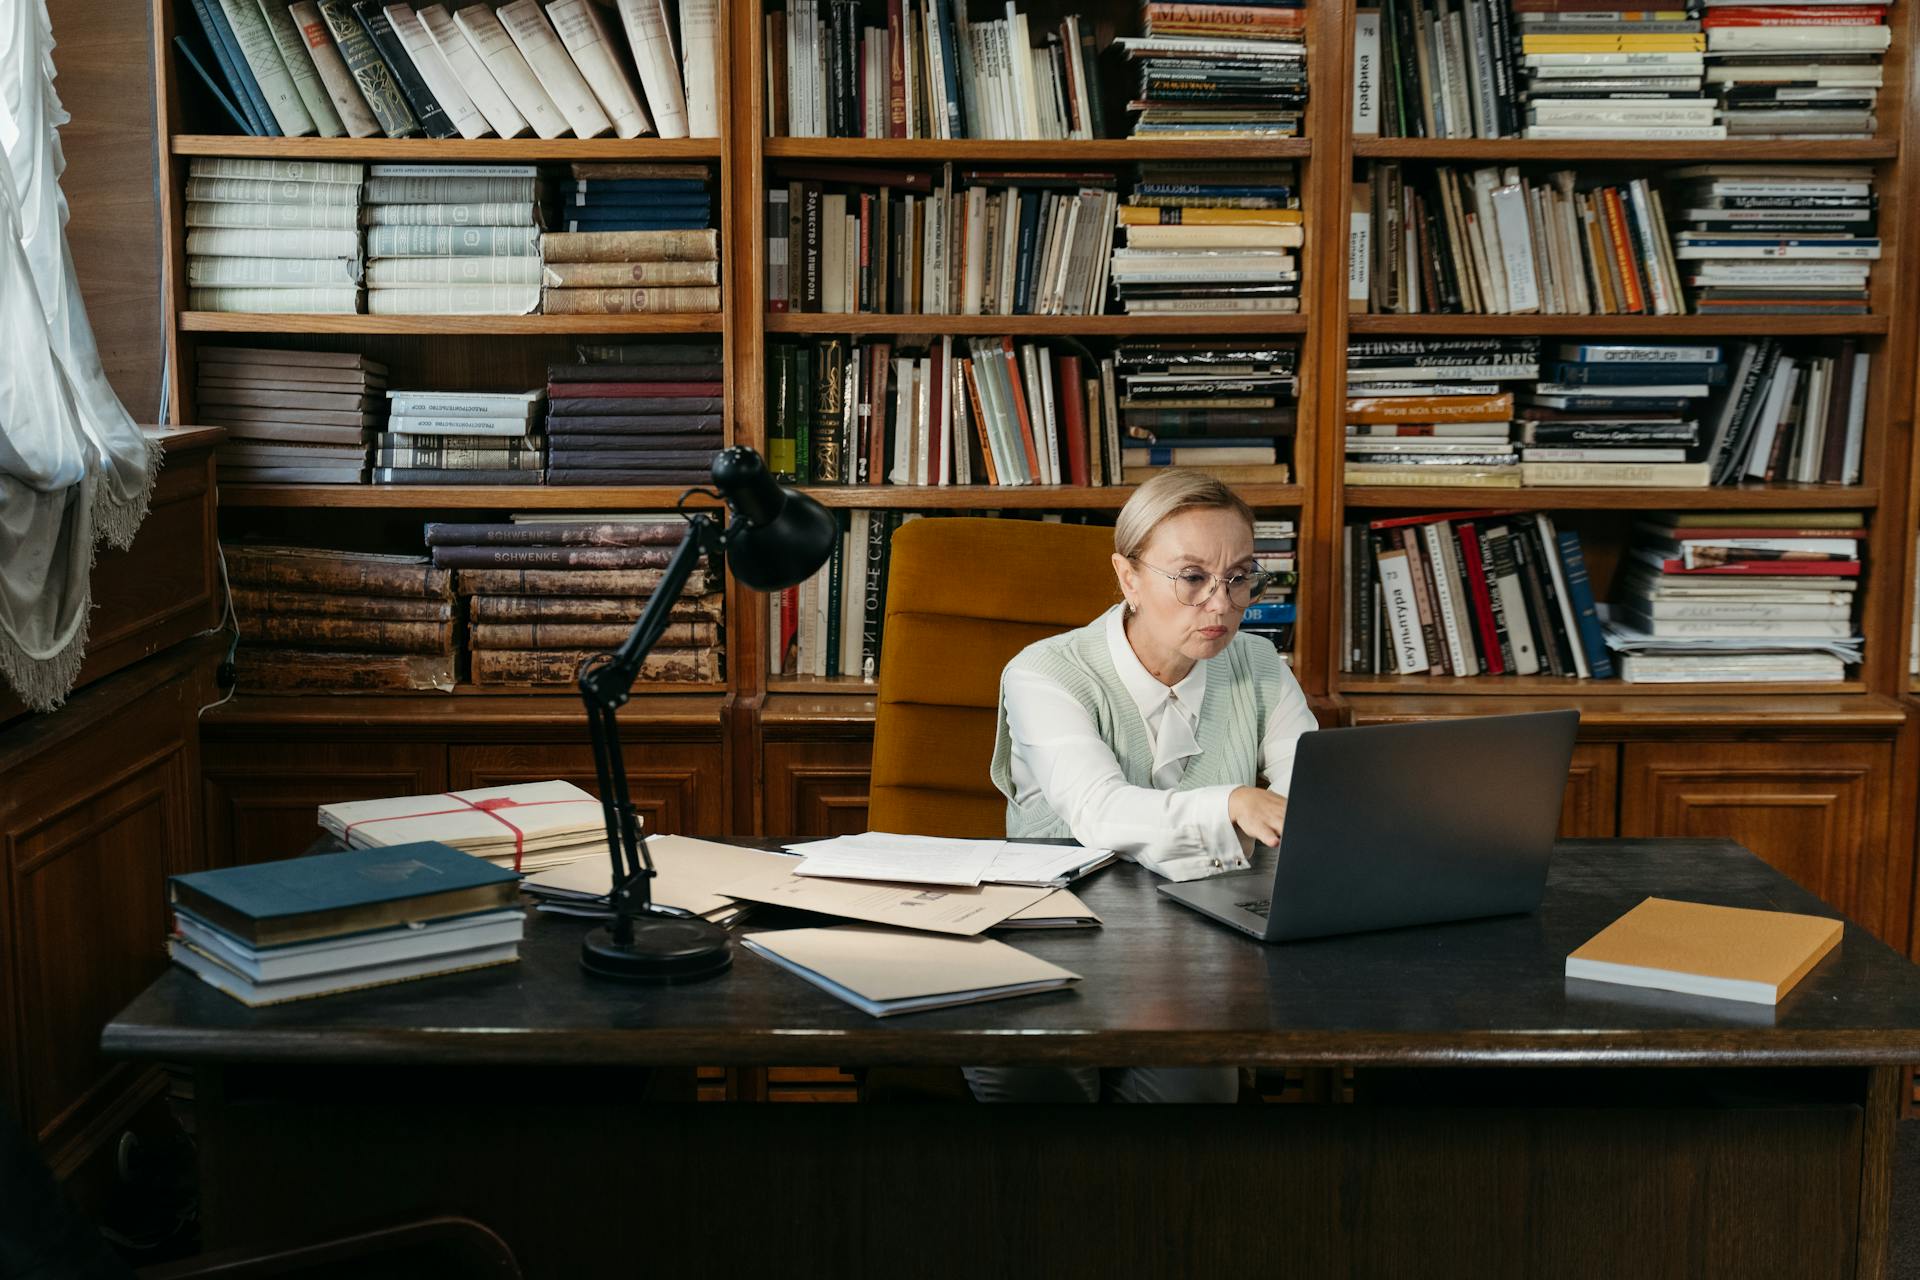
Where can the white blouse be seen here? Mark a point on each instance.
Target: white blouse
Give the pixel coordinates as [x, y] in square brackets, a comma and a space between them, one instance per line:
[1182, 835]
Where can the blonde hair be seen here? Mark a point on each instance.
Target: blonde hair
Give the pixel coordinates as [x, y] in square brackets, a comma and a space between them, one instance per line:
[1167, 495]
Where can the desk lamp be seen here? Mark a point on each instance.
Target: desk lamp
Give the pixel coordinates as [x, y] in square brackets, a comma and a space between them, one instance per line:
[774, 538]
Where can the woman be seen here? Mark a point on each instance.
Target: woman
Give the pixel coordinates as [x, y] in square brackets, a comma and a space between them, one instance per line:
[1148, 732]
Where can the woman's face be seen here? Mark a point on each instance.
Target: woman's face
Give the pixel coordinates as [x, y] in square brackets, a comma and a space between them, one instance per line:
[1206, 541]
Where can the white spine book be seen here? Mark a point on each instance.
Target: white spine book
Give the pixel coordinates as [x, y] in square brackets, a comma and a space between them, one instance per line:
[1400, 613]
[509, 70]
[433, 68]
[942, 472]
[902, 419]
[464, 62]
[1786, 376]
[332, 70]
[343, 300]
[1509, 203]
[971, 302]
[853, 593]
[274, 243]
[1366, 73]
[1049, 414]
[1359, 254]
[300, 65]
[1493, 268]
[407, 272]
[291, 216]
[922, 419]
[1856, 426]
[535, 38]
[652, 42]
[1526, 656]
[261, 53]
[585, 34]
[1799, 39]
[1446, 618]
[203, 272]
[700, 50]
[957, 390]
[455, 299]
[1030, 391]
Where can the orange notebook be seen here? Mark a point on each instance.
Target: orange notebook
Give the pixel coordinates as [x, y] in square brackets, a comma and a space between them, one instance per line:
[1732, 952]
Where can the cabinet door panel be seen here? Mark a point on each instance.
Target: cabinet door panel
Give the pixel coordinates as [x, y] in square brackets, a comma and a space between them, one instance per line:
[817, 788]
[1588, 807]
[676, 786]
[1814, 810]
[262, 799]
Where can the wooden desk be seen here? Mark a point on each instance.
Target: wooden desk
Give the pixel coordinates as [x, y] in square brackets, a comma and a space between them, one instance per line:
[1578, 1129]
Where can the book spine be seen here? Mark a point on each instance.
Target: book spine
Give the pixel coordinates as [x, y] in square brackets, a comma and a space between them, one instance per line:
[370, 72]
[346, 634]
[577, 301]
[565, 87]
[585, 635]
[584, 32]
[590, 609]
[651, 40]
[470, 72]
[572, 582]
[561, 557]
[426, 108]
[262, 601]
[247, 566]
[297, 670]
[631, 246]
[261, 52]
[355, 117]
[550, 666]
[435, 72]
[1580, 593]
[508, 67]
[302, 67]
[1402, 618]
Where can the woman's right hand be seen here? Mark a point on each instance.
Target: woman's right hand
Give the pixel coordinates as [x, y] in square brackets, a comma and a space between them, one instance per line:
[1258, 813]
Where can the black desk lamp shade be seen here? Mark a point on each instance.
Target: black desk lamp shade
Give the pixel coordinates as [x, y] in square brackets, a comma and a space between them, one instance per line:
[775, 538]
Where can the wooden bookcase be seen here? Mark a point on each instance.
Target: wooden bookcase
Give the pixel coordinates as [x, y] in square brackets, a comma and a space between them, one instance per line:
[792, 754]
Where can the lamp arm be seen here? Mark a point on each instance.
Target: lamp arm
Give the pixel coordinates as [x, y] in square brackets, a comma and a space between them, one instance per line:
[606, 683]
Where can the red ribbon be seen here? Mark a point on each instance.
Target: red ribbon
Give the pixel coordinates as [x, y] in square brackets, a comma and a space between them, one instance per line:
[490, 807]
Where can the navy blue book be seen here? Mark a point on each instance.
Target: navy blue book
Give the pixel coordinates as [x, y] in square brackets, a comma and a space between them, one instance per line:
[330, 895]
[696, 202]
[1573, 562]
[233, 65]
[1625, 374]
[213, 86]
[638, 186]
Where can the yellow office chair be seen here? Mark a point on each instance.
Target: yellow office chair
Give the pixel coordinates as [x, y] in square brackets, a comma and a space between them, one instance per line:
[963, 597]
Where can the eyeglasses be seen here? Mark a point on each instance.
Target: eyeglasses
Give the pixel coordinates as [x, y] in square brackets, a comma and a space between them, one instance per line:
[1193, 588]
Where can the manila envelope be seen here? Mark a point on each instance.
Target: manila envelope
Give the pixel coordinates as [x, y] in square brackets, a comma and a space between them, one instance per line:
[934, 908]
[688, 873]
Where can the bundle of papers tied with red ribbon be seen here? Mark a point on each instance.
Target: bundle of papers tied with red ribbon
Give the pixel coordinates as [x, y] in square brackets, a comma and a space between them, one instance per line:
[526, 826]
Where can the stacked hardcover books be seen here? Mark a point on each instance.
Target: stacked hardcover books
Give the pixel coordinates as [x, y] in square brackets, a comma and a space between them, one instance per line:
[548, 592]
[273, 235]
[1768, 239]
[1202, 236]
[1214, 407]
[929, 73]
[314, 926]
[366, 69]
[1659, 97]
[460, 437]
[1273, 615]
[455, 239]
[1435, 411]
[1790, 70]
[1620, 414]
[621, 196]
[578, 264]
[1220, 70]
[314, 619]
[651, 413]
[291, 417]
[1738, 596]
[1469, 594]
[1495, 241]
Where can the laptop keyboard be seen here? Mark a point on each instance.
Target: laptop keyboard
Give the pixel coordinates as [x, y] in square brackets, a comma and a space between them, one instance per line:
[1258, 907]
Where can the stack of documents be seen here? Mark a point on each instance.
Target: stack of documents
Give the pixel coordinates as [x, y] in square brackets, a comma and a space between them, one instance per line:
[880, 855]
[524, 827]
[884, 971]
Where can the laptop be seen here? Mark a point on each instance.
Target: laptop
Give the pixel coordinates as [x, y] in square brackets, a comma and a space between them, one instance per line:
[1403, 824]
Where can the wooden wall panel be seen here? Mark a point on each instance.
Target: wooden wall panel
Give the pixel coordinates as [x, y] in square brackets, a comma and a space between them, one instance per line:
[817, 788]
[1816, 813]
[676, 786]
[1589, 809]
[103, 57]
[262, 799]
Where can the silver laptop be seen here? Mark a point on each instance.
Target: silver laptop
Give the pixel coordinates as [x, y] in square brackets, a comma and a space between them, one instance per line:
[1405, 824]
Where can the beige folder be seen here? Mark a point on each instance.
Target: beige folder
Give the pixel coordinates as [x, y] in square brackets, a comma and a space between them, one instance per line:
[937, 909]
[688, 872]
[886, 971]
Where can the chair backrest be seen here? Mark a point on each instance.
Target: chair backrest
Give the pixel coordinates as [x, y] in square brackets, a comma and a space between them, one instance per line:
[963, 597]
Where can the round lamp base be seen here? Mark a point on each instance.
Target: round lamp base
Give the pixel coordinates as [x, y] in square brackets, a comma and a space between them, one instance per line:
[664, 950]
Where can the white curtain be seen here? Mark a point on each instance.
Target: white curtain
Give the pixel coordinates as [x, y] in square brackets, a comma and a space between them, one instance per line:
[74, 469]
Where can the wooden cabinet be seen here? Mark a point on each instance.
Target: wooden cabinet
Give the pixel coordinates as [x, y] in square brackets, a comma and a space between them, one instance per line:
[101, 805]
[1815, 810]
[1589, 809]
[817, 788]
[676, 786]
[262, 798]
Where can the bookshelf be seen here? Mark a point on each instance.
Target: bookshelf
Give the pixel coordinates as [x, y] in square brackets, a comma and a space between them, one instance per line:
[790, 753]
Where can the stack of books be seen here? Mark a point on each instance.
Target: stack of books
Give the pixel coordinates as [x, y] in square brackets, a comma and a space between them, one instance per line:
[530, 625]
[366, 69]
[1468, 594]
[1495, 241]
[1199, 236]
[460, 437]
[454, 239]
[1765, 239]
[1790, 70]
[1215, 407]
[1746, 596]
[652, 417]
[1273, 615]
[944, 411]
[929, 73]
[638, 196]
[1669, 105]
[629, 257]
[321, 620]
[291, 417]
[1219, 71]
[313, 926]
[1434, 411]
[524, 826]
[522, 639]
[1620, 414]
[842, 238]
[1790, 412]
[273, 235]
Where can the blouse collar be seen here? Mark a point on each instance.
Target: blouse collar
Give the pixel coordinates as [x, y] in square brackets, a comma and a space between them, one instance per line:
[1173, 736]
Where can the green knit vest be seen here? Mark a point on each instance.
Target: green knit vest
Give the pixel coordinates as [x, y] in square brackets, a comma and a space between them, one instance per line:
[1233, 718]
